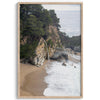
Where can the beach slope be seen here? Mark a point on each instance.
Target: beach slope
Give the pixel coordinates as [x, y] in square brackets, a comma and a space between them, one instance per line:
[32, 80]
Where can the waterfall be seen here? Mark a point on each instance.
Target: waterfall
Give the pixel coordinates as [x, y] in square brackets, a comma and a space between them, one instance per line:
[47, 49]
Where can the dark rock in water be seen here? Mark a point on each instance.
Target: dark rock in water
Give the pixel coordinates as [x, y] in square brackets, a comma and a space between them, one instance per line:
[74, 66]
[63, 64]
[77, 49]
[59, 55]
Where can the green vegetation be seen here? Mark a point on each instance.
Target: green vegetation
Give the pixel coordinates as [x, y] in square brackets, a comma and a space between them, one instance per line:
[55, 20]
[27, 50]
[34, 24]
[50, 43]
[59, 45]
[70, 42]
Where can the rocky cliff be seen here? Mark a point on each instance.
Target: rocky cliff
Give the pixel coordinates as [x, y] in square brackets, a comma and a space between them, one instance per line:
[55, 40]
[38, 32]
[40, 52]
[46, 47]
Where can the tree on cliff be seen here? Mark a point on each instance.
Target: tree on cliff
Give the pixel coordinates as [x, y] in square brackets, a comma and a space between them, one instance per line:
[55, 20]
[70, 42]
[34, 23]
[33, 27]
[36, 15]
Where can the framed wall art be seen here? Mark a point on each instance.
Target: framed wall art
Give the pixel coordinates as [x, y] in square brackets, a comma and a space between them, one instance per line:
[50, 49]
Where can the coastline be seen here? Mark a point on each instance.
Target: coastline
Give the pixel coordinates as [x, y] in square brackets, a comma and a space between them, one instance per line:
[32, 80]
[63, 80]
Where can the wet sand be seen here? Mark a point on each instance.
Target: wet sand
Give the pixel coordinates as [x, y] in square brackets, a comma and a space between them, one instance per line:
[32, 80]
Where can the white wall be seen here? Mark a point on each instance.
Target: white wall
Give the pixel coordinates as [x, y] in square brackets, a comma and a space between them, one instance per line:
[8, 49]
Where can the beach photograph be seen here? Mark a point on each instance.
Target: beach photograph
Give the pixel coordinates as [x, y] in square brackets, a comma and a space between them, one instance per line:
[50, 50]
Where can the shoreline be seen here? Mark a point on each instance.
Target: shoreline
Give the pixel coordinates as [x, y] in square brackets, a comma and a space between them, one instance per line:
[32, 80]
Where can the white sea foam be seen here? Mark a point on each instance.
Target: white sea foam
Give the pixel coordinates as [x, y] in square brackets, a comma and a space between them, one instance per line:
[63, 80]
[75, 56]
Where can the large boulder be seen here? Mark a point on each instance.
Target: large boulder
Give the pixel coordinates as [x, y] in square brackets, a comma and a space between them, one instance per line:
[40, 52]
[59, 55]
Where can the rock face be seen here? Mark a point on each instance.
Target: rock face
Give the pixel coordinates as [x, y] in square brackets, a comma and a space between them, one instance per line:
[54, 37]
[44, 47]
[77, 48]
[60, 55]
[40, 52]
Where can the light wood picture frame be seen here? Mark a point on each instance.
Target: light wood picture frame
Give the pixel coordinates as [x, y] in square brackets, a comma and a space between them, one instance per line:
[26, 69]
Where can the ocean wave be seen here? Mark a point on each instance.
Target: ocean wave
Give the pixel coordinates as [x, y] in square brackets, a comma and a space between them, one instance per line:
[63, 80]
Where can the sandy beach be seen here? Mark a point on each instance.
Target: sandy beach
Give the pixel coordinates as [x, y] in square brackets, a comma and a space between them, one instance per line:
[32, 80]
